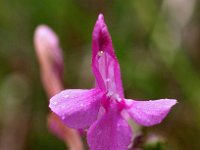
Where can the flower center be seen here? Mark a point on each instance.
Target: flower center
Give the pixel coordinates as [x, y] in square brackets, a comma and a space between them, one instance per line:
[113, 101]
[113, 96]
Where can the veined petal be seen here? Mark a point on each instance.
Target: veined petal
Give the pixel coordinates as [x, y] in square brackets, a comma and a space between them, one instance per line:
[104, 62]
[111, 132]
[151, 112]
[77, 108]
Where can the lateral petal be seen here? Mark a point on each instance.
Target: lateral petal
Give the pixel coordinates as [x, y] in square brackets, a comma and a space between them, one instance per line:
[111, 132]
[77, 108]
[104, 62]
[148, 113]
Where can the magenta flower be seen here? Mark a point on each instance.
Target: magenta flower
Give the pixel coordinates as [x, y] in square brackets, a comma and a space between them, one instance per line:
[104, 109]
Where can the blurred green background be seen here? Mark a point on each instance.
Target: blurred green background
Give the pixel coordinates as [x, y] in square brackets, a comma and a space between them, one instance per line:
[157, 43]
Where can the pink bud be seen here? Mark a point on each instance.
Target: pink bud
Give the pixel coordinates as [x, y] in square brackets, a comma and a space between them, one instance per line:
[50, 58]
[51, 67]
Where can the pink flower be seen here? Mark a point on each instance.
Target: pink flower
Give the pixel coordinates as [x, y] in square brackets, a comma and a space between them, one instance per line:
[102, 108]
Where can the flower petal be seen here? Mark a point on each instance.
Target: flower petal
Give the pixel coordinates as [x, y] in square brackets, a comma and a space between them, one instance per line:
[149, 113]
[111, 132]
[104, 62]
[77, 108]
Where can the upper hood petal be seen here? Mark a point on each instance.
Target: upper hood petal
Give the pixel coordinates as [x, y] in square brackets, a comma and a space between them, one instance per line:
[104, 62]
